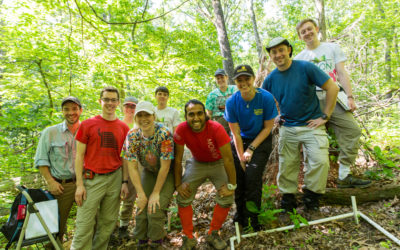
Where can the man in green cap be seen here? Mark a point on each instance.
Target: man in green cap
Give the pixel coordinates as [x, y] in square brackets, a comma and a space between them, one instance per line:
[293, 85]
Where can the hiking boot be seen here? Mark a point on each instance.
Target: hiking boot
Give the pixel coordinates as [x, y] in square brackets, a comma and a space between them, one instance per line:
[288, 203]
[188, 244]
[311, 200]
[353, 182]
[215, 240]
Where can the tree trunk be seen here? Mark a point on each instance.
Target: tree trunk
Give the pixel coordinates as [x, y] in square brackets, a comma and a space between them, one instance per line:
[387, 44]
[255, 29]
[46, 84]
[320, 5]
[219, 23]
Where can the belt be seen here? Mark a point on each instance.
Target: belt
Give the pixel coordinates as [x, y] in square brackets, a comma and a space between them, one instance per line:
[109, 173]
[64, 181]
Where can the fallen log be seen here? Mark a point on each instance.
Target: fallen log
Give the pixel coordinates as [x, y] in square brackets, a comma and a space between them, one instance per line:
[376, 192]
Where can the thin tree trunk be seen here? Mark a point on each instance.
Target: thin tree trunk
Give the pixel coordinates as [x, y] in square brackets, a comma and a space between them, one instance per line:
[46, 84]
[321, 18]
[255, 29]
[219, 23]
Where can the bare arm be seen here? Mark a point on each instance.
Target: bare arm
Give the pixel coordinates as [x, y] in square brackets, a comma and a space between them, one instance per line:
[80, 193]
[344, 80]
[331, 93]
[237, 140]
[135, 178]
[182, 188]
[125, 176]
[226, 153]
[268, 125]
[154, 199]
[54, 187]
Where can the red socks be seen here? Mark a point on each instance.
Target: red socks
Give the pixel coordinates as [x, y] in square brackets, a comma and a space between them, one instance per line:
[186, 216]
[218, 219]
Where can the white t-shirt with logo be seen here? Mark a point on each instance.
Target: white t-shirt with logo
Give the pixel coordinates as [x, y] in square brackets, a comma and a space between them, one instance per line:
[325, 56]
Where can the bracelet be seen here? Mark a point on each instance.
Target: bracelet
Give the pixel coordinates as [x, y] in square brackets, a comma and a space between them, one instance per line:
[251, 147]
[350, 97]
[125, 181]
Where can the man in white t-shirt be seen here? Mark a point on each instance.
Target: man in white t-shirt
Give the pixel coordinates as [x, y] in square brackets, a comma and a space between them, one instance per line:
[330, 58]
[168, 116]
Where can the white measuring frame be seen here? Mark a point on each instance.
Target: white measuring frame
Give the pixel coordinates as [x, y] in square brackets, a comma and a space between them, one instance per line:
[355, 214]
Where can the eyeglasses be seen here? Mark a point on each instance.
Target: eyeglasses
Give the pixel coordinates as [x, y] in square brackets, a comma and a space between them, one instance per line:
[113, 100]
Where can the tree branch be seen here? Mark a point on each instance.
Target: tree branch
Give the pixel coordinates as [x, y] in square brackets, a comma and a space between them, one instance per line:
[136, 22]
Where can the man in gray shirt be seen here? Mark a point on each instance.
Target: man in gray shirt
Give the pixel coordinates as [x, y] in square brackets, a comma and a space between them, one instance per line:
[55, 158]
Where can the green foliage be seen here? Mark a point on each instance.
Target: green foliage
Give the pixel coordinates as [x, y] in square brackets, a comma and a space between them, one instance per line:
[297, 219]
[387, 161]
[266, 213]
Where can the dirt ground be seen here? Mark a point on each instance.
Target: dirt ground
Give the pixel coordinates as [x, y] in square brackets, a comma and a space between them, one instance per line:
[339, 234]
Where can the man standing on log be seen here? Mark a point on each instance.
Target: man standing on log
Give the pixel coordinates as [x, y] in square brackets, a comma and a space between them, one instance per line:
[293, 85]
[55, 158]
[330, 58]
[213, 160]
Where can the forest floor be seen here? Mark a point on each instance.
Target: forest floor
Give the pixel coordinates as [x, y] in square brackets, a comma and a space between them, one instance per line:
[339, 234]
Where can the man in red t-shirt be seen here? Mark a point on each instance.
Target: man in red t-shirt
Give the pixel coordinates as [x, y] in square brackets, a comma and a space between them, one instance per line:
[99, 178]
[213, 160]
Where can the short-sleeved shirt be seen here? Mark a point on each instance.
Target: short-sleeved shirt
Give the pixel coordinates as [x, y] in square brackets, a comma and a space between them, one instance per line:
[325, 56]
[216, 100]
[57, 150]
[204, 145]
[149, 151]
[169, 117]
[251, 115]
[104, 140]
[294, 89]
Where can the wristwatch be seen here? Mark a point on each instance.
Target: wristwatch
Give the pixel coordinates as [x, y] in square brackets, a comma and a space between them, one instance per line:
[125, 181]
[251, 147]
[325, 116]
[231, 187]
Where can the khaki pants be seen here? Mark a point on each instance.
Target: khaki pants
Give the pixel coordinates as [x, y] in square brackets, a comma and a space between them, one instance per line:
[151, 226]
[315, 144]
[198, 172]
[65, 202]
[347, 133]
[102, 197]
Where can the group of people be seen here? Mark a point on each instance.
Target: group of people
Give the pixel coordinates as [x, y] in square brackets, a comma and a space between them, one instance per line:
[102, 160]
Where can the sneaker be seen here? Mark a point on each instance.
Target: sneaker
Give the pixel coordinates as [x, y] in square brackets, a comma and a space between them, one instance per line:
[188, 244]
[353, 182]
[215, 240]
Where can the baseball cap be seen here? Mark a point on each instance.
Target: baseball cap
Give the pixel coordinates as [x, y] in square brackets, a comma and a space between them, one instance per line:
[71, 99]
[278, 41]
[130, 99]
[145, 106]
[220, 72]
[242, 70]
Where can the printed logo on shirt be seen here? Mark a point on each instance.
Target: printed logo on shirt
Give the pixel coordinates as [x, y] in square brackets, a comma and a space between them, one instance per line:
[212, 148]
[325, 65]
[258, 111]
[107, 140]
